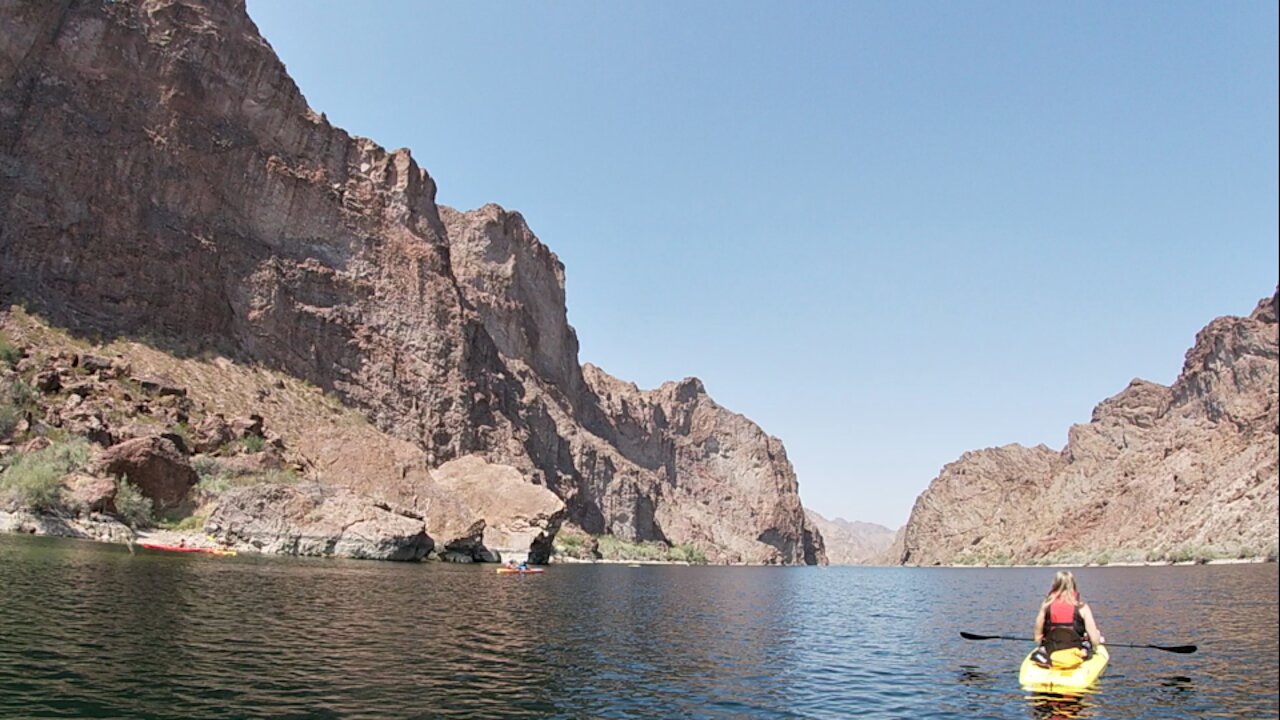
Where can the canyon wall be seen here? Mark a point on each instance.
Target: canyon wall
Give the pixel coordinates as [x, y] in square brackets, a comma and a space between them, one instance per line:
[1159, 473]
[163, 179]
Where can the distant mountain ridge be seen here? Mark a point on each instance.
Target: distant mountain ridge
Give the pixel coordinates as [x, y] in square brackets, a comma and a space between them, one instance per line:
[1159, 473]
[853, 542]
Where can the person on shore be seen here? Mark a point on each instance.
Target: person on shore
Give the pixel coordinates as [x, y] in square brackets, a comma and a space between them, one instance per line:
[1065, 630]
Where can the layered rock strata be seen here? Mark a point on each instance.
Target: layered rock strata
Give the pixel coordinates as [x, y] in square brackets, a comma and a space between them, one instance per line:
[1181, 472]
[162, 178]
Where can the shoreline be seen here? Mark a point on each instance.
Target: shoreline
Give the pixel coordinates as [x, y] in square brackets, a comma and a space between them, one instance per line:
[109, 530]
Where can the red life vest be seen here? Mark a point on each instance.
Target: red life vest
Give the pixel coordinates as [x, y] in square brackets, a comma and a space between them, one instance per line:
[1063, 625]
[1062, 612]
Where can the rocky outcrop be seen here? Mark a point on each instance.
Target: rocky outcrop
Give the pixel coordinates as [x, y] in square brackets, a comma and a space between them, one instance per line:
[852, 543]
[94, 526]
[479, 511]
[1158, 473]
[203, 176]
[155, 466]
[314, 520]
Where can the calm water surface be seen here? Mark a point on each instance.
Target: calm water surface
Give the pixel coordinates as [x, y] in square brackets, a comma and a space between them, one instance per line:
[88, 630]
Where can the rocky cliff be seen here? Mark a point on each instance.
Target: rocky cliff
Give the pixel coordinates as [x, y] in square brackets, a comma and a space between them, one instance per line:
[162, 178]
[1159, 473]
[853, 542]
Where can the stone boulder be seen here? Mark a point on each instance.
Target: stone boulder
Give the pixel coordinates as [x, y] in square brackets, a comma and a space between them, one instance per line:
[90, 493]
[315, 520]
[489, 512]
[153, 464]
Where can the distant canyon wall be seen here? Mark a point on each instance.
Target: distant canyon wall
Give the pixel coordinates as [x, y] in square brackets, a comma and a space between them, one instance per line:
[162, 177]
[854, 542]
[1158, 473]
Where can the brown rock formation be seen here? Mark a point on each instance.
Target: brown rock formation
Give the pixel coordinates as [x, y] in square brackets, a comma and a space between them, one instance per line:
[487, 512]
[316, 521]
[1158, 473]
[162, 177]
[155, 466]
[852, 543]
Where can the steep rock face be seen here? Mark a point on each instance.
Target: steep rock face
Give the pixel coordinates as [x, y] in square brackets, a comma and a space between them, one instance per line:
[162, 177]
[1159, 472]
[665, 465]
[852, 543]
[719, 479]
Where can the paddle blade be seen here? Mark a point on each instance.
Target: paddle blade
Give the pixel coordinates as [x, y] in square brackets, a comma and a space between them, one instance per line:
[1184, 649]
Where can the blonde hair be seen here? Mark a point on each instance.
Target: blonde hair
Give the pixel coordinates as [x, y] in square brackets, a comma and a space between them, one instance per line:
[1064, 588]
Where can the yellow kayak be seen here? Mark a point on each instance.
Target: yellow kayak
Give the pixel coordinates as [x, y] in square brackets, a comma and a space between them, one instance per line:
[1056, 680]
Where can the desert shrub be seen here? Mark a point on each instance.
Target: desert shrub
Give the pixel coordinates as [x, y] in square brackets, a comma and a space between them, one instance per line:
[614, 548]
[283, 476]
[9, 353]
[9, 417]
[253, 443]
[34, 480]
[687, 553]
[573, 545]
[189, 523]
[134, 508]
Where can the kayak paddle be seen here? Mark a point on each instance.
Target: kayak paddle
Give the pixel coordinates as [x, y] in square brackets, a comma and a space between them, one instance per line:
[1184, 649]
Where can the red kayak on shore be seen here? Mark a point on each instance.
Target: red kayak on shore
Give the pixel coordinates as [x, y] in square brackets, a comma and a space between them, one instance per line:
[184, 548]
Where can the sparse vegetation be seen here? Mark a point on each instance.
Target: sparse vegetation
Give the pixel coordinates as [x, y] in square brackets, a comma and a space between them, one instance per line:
[134, 508]
[253, 443]
[189, 523]
[9, 353]
[9, 416]
[34, 480]
[15, 398]
[216, 479]
[614, 548]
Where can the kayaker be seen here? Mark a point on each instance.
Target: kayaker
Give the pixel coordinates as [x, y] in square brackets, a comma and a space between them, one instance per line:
[1064, 621]
[524, 565]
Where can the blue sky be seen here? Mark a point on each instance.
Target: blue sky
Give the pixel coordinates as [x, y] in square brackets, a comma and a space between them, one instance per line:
[888, 232]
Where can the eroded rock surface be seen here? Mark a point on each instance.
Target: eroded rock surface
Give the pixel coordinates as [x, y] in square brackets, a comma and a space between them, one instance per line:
[314, 520]
[1159, 472]
[209, 210]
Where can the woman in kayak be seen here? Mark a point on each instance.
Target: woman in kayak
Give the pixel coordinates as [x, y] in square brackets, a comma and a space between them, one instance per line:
[1065, 621]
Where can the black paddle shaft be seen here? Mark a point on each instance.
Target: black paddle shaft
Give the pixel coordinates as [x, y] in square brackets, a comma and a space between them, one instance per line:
[1183, 649]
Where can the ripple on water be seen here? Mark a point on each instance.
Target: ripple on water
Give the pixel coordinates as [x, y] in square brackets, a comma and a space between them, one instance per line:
[92, 631]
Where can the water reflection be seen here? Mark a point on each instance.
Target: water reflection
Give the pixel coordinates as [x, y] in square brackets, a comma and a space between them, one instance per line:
[1048, 706]
[88, 630]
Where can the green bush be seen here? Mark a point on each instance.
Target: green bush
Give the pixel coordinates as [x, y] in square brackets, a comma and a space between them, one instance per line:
[34, 480]
[134, 508]
[253, 443]
[9, 417]
[9, 353]
[191, 522]
[689, 554]
[614, 548]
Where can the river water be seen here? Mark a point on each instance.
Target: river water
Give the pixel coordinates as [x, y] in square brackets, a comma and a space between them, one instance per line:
[88, 630]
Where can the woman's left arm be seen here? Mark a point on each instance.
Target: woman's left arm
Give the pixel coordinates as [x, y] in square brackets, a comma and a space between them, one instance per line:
[1091, 627]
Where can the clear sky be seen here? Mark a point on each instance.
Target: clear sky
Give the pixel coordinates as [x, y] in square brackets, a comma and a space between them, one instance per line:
[888, 232]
